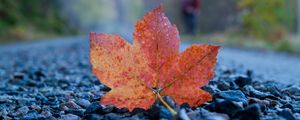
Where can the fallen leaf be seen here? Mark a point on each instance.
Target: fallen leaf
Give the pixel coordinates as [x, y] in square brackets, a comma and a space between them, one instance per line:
[153, 64]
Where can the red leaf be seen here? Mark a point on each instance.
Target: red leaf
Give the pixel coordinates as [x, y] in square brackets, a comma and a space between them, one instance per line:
[153, 61]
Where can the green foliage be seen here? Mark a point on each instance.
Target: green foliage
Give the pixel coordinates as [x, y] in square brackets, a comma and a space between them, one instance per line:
[268, 19]
[23, 19]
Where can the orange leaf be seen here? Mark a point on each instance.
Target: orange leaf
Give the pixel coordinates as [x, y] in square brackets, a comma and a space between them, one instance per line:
[153, 62]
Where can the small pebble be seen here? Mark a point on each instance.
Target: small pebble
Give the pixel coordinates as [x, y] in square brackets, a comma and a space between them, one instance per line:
[70, 117]
[83, 103]
[287, 114]
[231, 95]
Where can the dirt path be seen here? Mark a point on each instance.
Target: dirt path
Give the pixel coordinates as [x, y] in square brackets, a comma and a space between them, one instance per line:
[280, 67]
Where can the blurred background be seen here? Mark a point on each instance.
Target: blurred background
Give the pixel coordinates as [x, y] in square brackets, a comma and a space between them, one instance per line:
[45, 70]
[260, 24]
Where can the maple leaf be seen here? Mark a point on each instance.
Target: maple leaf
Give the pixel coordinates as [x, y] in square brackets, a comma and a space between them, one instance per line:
[152, 66]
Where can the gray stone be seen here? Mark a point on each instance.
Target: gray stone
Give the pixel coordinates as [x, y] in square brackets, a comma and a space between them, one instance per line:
[33, 116]
[241, 81]
[294, 90]
[222, 85]
[231, 95]
[251, 112]
[112, 116]
[182, 115]
[71, 105]
[69, 117]
[83, 103]
[287, 114]
[250, 91]
[22, 111]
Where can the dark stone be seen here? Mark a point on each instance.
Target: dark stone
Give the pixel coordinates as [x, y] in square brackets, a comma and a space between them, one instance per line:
[105, 88]
[36, 108]
[51, 100]
[158, 111]
[293, 90]
[121, 111]
[249, 73]
[97, 82]
[164, 113]
[182, 115]
[71, 105]
[50, 118]
[5, 99]
[79, 112]
[250, 91]
[222, 85]
[93, 117]
[22, 111]
[197, 114]
[184, 106]
[287, 105]
[137, 110]
[97, 96]
[46, 113]
[135, 117]
[262, 103]
[24, 101]
[70, 117]
[39, 74]
[93, 108]
[40, 97]
[33, 83]
[227, 71]
[273, 90]
[87, 96]
[210, 88]
[233, 86]
[18, 76]
[3, 113]
[154, 110]
[241, 81]
[202, 114]
[272, 117]
[96, 107]
[287, 114]
[83, 103]
[169, 101]
[112, 116]
[273, 103]
[224, 106]
[33, 116]
[231, 95]
[296, 110]
[251, 112]
[106, 109]
[297, 115]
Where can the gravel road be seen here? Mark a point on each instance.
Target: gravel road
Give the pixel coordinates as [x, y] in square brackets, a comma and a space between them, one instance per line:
[268, 65]
[280, 67]
[53, 80]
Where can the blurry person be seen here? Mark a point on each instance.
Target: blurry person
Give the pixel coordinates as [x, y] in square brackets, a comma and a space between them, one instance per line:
[190, 10]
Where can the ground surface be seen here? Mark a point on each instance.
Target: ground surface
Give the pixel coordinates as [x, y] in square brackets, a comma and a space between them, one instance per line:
[279, 67]
[52, 80]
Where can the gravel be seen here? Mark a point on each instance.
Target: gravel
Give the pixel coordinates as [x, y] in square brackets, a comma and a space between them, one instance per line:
[53, 81]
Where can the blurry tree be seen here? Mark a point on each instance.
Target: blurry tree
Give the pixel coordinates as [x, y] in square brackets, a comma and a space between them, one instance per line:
[107, 16]
[90, 15]
[25, 19]
[268, 19]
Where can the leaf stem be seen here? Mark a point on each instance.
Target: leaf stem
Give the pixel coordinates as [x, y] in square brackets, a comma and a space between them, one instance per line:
[166, 104]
